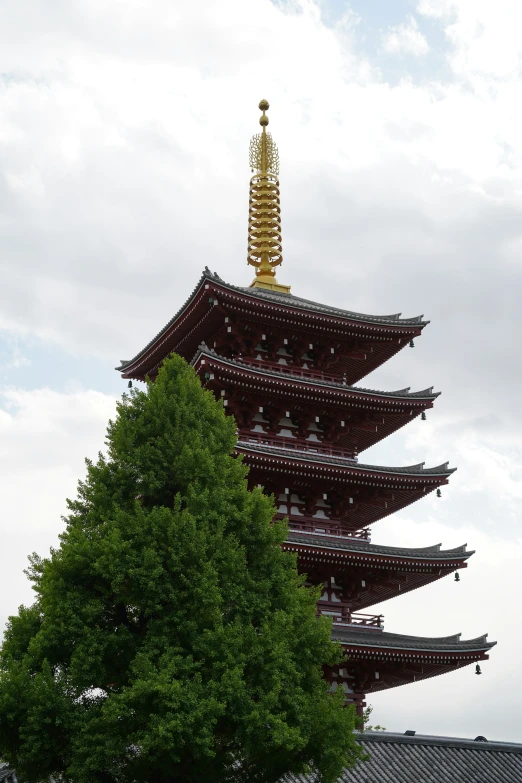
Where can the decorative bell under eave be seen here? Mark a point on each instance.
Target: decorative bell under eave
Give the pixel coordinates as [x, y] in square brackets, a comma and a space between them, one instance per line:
[412, 344]
[477, 669]
[439, 493]
[423, 416]
[457, 577]
[129, 385]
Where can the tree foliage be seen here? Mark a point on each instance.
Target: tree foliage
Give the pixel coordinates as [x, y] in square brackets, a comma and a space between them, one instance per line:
[171, 638]
[363, 723]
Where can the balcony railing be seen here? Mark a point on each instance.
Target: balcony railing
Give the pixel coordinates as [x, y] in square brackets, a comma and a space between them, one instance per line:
[343, 617]
[322, 528]
[295, 444]
[290, 369]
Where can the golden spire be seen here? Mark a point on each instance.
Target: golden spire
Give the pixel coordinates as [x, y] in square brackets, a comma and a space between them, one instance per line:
[265, 251]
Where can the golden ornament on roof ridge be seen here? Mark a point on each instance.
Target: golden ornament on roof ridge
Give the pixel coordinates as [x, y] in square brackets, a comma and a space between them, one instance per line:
[265, 250]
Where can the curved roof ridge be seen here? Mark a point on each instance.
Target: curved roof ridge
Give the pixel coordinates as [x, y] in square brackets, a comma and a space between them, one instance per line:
[483, 639]
[433, 740]
[308, 304]
[453, 643]
[453, 637]
[351, 463]
[346, 543]
[461, 548]
[419, 466]
[283, 298]
[245, 363]
[206, 274]
[442, 466]
[428, 392]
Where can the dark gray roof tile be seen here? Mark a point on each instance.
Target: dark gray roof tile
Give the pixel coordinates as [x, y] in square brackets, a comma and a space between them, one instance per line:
[306, 304]
[401, 393]
[7, 774]
[396, 758]
[363, 638]
[359, 545]
[283, 299]
[316, 457]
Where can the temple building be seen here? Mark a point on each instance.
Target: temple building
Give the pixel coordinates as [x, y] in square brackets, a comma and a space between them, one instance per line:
[287, 369]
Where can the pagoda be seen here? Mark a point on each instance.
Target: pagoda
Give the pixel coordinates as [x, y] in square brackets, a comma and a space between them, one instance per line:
[286, 368]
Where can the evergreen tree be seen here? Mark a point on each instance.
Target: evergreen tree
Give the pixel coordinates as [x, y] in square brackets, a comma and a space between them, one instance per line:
[171, 640]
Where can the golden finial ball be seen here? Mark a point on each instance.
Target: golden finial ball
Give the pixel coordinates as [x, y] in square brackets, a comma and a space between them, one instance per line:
[263, 105]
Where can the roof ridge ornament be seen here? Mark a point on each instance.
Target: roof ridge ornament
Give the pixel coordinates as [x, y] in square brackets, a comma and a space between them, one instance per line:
[265, 250]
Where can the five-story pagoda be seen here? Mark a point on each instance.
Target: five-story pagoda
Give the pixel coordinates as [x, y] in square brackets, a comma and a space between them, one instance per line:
[285, 367]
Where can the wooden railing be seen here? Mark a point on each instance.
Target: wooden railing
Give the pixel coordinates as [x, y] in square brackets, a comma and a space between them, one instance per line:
[290, 369]
[295, 444]
[341, 615]
[309, 526]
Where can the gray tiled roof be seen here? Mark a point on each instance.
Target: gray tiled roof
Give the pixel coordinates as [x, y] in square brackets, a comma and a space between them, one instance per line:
[359, 545]
[396, 758]
[7, 774]
[401, 393]
[452, 644]
[283, 299]
[312, 456]
[307, 304]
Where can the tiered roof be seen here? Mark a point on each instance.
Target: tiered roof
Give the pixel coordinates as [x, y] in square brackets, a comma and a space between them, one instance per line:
[391, 554]
[386, 412]
[306, 304]
[389, 660]
[442, 647]
[386, 571]
[303, 377]
[246, 367]
[401, 486]
[412, 472]
[385, 335]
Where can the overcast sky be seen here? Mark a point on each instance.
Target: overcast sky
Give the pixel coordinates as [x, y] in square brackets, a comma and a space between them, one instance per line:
[124, 132]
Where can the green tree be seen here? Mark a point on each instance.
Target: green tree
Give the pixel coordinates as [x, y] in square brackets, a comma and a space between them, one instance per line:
[171, 639]
[363, 723]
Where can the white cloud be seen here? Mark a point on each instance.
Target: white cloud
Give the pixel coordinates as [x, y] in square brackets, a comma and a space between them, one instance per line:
[11, 356]
[405, 38]
[124, 160]
[484, 37]
[447, 607]
[44, 438]
[480, 508]
[437, 9]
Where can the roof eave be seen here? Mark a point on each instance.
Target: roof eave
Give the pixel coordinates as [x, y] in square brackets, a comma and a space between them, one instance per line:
[349, 464]
[204, 350]
[208, 276]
